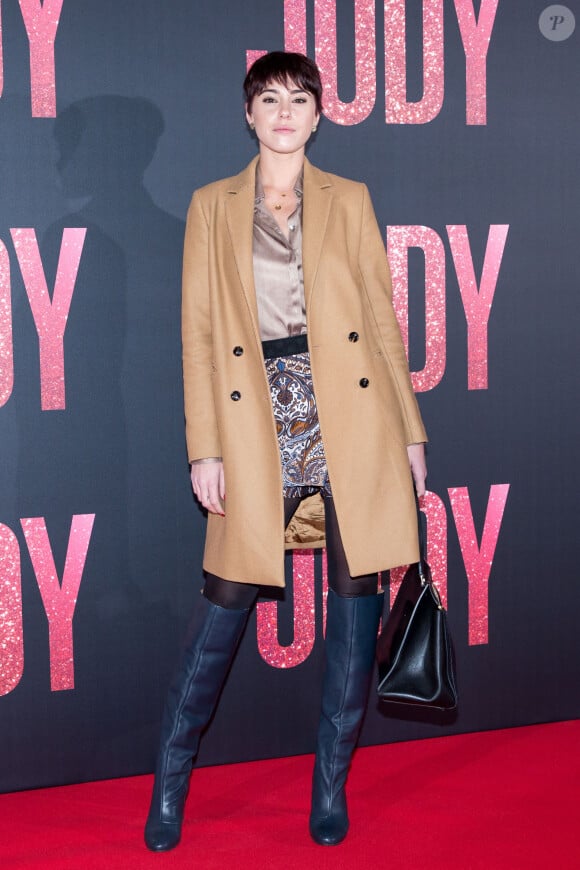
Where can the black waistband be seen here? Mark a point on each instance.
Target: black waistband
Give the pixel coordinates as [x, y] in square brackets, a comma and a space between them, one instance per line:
[285, 346]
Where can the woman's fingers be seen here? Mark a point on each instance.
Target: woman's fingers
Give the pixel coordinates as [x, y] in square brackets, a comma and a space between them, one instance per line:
[207, 480]
[212, 502]
[416, 453]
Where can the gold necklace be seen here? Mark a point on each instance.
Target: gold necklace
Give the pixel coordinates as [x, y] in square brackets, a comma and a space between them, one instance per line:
[278, 205]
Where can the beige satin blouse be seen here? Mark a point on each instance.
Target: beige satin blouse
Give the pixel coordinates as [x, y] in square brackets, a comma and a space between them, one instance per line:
[278, 275]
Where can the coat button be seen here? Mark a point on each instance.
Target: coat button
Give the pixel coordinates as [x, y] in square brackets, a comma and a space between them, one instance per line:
[353, 336]
[235, 396]
[238, 351]
[364, 382]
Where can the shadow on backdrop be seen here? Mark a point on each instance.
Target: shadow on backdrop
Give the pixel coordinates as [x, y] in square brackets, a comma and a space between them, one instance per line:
[117, 450]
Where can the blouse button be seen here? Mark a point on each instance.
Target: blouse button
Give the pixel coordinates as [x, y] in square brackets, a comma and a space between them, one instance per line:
[364, 382]
[353, 336]
[235, 396]
[238, 351]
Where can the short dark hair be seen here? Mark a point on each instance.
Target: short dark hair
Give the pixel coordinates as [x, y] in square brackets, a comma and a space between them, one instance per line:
[283, 67]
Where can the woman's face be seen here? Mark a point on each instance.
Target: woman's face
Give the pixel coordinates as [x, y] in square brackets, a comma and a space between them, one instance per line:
[284, 116]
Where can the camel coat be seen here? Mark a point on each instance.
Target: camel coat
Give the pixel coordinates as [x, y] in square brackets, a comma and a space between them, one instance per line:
[366, 405]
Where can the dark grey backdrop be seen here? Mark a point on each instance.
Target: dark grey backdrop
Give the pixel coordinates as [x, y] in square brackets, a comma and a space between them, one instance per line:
[148, 108]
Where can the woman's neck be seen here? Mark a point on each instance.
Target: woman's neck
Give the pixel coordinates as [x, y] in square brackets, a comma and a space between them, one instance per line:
[280, 171]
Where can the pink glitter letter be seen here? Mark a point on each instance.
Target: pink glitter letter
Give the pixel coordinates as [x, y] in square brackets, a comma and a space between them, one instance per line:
[41, 21]
[397, 109]
[50, 317]
[59, 598]
[267, 618]
[365, 61]
[295, 26]
[252, 55]
[399, 240]
[477, 304]
[11, 646]
[6, 352]
[478, 560]
[475, 37]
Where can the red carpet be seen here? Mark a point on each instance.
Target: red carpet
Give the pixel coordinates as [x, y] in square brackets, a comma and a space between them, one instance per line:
[498, 799]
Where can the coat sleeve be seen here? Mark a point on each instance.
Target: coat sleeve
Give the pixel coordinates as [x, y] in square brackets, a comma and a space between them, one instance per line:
[201, 426]
[376, 278]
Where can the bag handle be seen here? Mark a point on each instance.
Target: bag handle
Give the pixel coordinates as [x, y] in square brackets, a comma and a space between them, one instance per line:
[421, 534]
[422, 566]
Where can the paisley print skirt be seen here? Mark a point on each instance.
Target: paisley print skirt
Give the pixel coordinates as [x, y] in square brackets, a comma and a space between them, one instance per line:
[301, 450]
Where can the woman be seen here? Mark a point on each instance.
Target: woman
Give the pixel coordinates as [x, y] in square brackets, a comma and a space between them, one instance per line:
[299, 406]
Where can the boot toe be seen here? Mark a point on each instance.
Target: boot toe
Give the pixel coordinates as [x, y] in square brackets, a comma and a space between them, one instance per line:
[162, 836]
[329, 831]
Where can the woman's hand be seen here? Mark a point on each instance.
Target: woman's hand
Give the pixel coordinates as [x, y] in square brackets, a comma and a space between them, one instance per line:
[416, 454]
[207, 480]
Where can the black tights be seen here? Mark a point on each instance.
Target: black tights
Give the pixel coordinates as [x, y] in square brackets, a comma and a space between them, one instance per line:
[239, 596]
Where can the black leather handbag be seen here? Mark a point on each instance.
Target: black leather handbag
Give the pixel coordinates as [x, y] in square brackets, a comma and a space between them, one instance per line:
[414, 649]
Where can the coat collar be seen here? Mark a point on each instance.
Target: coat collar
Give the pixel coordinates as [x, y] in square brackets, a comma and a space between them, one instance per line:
[240, 213]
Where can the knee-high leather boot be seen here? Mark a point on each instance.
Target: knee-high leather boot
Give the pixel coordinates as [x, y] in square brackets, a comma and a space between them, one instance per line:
[191, 700]
[351, 637]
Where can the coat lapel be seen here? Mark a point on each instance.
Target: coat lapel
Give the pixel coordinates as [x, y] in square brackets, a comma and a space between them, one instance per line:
[240, 221]
[318, 198]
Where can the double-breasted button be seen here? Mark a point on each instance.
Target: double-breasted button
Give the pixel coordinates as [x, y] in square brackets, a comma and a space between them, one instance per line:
[353, 336]
[238, 351]
[364, 382]
[235, 396]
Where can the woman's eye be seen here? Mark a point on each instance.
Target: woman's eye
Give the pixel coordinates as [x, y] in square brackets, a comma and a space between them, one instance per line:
[300, 100]
[268, 100]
